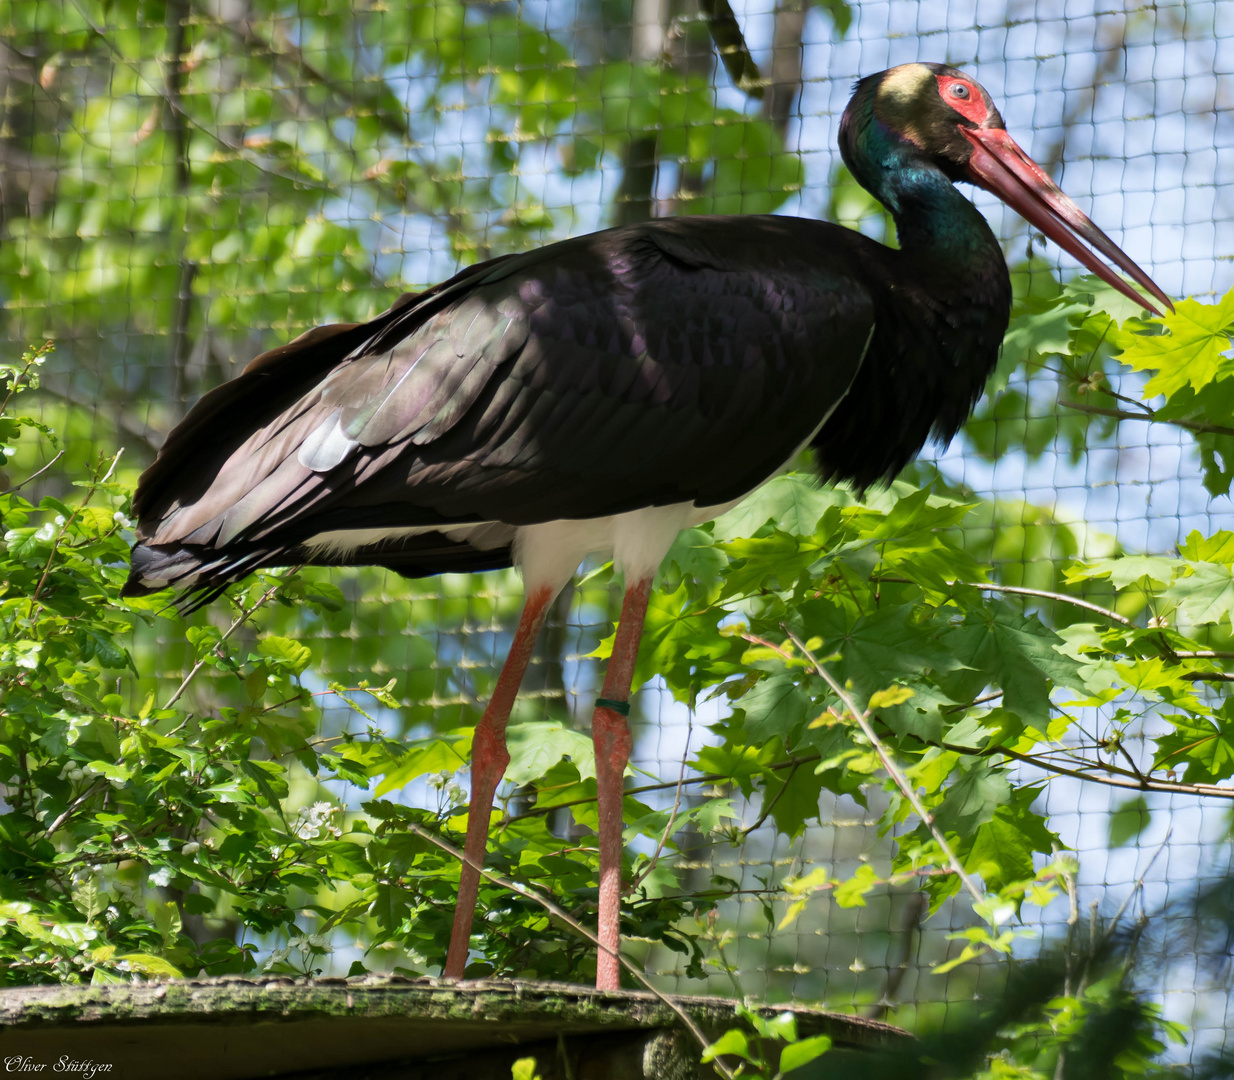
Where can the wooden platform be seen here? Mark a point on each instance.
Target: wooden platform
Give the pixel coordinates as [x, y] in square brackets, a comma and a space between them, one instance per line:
[376, 1028]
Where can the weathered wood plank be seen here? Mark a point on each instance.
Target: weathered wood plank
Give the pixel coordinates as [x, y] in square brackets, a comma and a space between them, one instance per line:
[377, 1027]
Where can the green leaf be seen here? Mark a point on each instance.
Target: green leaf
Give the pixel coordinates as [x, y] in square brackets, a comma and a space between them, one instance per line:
[166, 917]
[1017, 652]
[1000, 853]
[696, 555]
[269, 777]
[326, 596]
[793, 502]
[1203, 748]
[101, 647]
[292, 655]
[1093, 294]
[1129, 820]
[428, 756]
[1205, 595]
[972, 800]
[852, 893]
[1039, 326]
[28, 543]
[887, 646]
[794, 798]
[802, 1052]
[1190, 352]
[1217, 460]
[118, 774]
[1125, 570]
[782, 1026]
[536, 747]
[733, 1041]
[683, 644]
[885, 699]
[151, 966]
[841, 14]
[89, 899]
[524, 1069]
[1217, 548]
[970, 952]
[776, 707]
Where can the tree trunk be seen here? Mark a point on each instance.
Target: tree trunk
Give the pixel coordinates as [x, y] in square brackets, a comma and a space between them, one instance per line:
[786, 59]
[635, 200]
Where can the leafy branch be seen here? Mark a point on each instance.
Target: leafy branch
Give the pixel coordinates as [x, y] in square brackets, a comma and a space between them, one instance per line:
[893, 770]
[576, 927]
[1151, 416]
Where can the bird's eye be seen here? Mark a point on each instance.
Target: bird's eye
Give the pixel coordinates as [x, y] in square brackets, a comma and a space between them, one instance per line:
[959, 90]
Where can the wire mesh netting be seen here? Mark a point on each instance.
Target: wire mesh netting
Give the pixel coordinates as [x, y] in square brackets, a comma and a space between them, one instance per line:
[186, 184]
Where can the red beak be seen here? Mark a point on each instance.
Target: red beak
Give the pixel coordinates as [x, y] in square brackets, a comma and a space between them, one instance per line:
[1001, 167]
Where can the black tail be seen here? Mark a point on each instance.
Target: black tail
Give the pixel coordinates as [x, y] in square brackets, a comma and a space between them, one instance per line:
[200, 574]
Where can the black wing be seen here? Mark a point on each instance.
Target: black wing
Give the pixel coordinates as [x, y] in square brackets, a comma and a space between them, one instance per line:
[677, 360]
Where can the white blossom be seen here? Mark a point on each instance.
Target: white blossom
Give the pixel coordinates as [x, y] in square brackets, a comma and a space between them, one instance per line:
[162, 876]
[279, 956]
[311, 820]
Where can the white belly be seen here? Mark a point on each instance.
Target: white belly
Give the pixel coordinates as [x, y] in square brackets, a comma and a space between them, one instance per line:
[548, 554]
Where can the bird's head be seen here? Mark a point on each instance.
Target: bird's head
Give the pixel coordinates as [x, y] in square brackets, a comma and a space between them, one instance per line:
[935, 116]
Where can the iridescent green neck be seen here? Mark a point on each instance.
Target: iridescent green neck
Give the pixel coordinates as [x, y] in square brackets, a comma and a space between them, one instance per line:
[935, 223]
[933, 219]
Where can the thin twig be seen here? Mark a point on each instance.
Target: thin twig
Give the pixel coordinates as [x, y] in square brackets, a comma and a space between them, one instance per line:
[1154, 417]
[1148, 410]
[33, 476]
[893, 770]
[1147, 784]
[566, 1065]
[55, 544]
[672, 817]
[993, 696]
[664, 785]
[558, 913]
[1139, 884]
[729, 969]
[1073, 920]
[771, 803]
[239, 621]
[1019, 590]
[72, 807]
[1130, 761]
[13, 385]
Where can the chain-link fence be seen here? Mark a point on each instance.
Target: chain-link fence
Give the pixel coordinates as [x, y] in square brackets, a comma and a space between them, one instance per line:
[187, 183]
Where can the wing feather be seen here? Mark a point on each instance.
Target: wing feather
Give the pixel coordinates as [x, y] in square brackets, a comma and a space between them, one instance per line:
[629, 368]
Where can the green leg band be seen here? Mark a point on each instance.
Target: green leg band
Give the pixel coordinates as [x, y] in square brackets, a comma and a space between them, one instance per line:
[622, 707]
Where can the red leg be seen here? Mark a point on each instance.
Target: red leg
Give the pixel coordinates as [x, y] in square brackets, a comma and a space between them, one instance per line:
[611, 734]
[489, 759]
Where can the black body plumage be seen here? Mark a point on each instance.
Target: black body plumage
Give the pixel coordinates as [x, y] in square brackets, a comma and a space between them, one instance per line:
[680, 360]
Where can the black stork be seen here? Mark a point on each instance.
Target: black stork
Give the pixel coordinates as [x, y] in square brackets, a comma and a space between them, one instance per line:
[597, 395]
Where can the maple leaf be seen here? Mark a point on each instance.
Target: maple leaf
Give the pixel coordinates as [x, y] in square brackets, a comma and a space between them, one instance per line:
[1192, 351]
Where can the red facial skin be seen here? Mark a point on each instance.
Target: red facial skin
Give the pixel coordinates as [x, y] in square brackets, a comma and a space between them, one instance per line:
[972, 107]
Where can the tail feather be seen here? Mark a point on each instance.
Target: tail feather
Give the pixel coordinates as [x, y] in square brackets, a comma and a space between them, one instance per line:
[199, 574]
